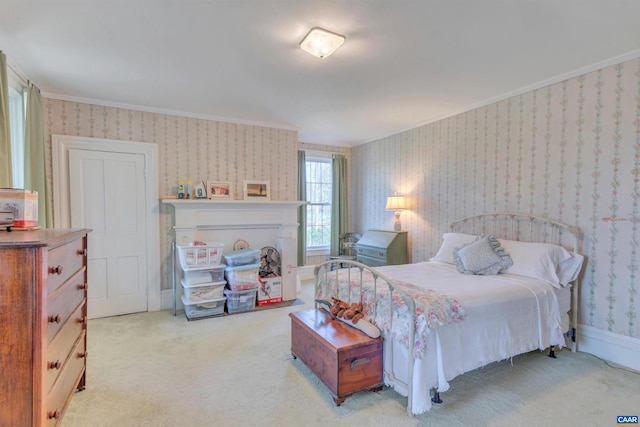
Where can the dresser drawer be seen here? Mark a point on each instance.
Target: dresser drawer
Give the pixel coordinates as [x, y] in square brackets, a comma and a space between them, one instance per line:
[70, 374]
[59, 350]
[63, 302]
[372, 252]
[63, 262]
[371, 262]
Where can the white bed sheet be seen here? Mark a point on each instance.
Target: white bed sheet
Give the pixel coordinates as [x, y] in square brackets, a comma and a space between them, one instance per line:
[507, 315]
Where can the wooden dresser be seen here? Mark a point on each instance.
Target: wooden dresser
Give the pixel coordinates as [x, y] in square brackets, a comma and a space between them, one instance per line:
[382, 247]
[43, 312]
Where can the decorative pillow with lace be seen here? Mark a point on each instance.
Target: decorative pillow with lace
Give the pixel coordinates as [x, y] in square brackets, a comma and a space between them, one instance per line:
[484, 256]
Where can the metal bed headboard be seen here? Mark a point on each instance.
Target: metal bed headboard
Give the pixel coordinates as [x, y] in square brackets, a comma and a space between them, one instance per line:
[529, 228]
[522, 227]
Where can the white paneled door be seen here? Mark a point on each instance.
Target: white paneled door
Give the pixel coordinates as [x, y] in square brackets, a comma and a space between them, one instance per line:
[107, 195]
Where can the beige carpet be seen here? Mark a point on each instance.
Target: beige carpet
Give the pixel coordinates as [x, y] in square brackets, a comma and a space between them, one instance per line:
[154, 369]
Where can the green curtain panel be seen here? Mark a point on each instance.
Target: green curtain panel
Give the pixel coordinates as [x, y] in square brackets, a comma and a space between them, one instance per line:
[6, 180]
[302, 210]
[34, 162]
[339, 205]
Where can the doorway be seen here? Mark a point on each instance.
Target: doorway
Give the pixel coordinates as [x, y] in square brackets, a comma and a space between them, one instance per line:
[111, 187]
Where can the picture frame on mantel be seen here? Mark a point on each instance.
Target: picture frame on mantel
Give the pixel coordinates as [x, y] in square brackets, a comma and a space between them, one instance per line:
[256, 191]
[219, 190]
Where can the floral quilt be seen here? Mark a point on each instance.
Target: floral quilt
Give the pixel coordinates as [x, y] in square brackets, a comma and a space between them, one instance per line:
[432, 309]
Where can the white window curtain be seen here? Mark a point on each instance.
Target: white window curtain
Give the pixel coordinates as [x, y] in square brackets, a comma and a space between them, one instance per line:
[6, 180]
[302, 210]
[339, 202]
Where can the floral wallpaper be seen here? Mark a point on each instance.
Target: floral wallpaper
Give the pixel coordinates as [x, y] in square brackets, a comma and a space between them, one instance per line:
[188, 148]
[569, 151]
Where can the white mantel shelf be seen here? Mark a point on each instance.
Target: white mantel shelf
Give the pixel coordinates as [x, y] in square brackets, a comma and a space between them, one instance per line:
[263, 223]
[221, 202]
[212, 214]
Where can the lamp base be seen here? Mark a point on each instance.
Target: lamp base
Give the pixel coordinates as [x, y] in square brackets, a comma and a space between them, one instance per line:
[397, 226]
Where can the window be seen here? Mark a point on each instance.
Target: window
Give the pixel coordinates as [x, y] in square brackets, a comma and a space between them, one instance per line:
[16, 128]
[319, 176]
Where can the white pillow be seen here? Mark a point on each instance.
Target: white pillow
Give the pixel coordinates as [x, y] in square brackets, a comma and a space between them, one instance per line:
[452, 241]
[569, 269]
[485, 256]
[544, 261]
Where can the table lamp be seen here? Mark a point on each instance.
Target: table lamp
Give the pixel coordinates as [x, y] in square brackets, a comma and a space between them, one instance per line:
[396, 203]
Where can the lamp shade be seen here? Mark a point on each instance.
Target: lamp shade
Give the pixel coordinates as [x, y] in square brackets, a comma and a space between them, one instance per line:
[396, 203]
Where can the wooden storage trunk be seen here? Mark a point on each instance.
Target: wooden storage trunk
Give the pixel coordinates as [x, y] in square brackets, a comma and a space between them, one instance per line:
[345, 359]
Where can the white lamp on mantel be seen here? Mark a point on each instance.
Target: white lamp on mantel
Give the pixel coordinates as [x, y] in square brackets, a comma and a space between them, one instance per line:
[396, 203]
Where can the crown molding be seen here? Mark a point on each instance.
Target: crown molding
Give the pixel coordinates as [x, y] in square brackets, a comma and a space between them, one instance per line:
[529, 88]
[134, 107]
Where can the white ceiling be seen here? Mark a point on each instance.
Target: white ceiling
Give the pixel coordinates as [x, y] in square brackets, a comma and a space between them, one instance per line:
[404, 63]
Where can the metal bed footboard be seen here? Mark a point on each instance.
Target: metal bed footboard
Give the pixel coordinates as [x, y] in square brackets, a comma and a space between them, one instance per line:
[354, 275]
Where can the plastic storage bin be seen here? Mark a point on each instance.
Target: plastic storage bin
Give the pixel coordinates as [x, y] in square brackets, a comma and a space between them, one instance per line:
[212, 307]
[242, 257]
[217, 273]
[200, 255]
[198, 275]
[242, 277]
[203, 291]
[239, 301]
[206, 274]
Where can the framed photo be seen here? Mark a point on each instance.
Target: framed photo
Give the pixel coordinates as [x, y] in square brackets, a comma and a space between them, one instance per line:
[200, 191]
[256, 190]
[219, 190]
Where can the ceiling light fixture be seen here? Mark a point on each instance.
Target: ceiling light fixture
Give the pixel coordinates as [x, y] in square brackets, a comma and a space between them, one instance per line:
[321, 43]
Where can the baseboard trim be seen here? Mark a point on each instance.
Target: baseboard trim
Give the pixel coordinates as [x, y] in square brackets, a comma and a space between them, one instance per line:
[616, 348]
[167, 300]
[306, 272]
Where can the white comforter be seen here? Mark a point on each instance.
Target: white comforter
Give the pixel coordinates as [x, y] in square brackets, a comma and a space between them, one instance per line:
[507, 315]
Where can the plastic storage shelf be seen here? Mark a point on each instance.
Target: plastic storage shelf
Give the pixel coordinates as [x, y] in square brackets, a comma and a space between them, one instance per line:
[240, 301]
[208, 255]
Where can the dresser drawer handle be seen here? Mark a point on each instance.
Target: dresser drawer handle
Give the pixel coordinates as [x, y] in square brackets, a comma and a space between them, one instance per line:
[55, 270]
[82, 252]
[54, 365]
[83, 355]
[53, 414]
[82, 286]
[55, 319]
[83, 320]
[358, 362]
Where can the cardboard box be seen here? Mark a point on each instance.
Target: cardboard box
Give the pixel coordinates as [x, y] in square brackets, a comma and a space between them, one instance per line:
[269, 290]
[23, 203]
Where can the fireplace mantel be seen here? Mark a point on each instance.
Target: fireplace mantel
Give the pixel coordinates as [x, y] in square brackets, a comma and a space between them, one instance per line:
[265, 223]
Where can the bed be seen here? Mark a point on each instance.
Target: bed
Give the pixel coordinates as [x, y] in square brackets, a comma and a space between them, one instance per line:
[462, 320]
